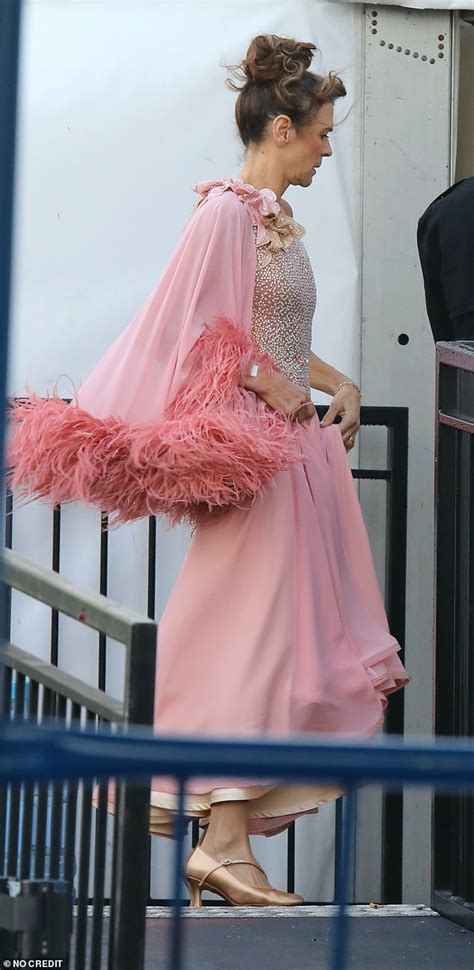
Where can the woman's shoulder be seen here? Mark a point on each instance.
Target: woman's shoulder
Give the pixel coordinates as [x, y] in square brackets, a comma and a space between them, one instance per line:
[234, 192]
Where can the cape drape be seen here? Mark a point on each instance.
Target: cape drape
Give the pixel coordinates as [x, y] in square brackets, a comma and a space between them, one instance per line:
[161, 425]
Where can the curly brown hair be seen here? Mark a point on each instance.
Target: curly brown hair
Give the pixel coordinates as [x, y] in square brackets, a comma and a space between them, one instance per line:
[277, 81]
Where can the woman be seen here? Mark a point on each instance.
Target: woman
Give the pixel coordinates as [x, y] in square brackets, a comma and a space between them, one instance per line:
[276, 622]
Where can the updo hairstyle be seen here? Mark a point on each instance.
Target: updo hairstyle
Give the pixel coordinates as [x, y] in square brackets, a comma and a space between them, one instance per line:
[277, 80]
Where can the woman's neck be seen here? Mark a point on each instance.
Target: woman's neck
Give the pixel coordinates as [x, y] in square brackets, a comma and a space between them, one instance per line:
[261, 177]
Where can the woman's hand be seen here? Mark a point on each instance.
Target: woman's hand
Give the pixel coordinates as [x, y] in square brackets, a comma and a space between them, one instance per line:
[347, 403]
[280, 393]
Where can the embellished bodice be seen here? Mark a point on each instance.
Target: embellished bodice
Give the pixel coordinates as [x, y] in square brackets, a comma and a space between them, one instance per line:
[285, 291]
[283, 306]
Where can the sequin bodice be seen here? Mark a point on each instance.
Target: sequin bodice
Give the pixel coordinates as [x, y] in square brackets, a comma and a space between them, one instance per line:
[283, 306]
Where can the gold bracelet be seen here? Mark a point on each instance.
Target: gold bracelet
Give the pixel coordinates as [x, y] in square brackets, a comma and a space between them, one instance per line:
[346, 382]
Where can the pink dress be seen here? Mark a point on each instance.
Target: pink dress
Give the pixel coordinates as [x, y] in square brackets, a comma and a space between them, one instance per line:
[276, 623]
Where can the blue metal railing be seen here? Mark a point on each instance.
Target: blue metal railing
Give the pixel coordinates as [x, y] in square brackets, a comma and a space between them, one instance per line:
[28, 752]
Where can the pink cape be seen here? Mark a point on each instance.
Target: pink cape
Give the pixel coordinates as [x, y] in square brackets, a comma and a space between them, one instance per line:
[161, 426]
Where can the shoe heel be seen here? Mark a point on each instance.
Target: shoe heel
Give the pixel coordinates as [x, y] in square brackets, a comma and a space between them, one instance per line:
[194, 892]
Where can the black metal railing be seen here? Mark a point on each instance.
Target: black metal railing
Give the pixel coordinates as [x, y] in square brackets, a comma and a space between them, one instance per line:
[454, 622]
[41, 824]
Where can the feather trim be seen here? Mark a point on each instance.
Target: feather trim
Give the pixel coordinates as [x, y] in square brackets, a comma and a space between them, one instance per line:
[218, 446]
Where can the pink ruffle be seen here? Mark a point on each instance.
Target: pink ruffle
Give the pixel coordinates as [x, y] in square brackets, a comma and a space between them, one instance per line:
[259, 202]
[218, 446]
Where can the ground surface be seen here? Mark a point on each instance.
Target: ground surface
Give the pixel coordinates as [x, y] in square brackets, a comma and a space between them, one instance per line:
[385, 943]
[228, 938]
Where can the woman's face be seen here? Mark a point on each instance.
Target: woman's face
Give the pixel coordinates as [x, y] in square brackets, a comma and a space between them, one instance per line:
[302, 152]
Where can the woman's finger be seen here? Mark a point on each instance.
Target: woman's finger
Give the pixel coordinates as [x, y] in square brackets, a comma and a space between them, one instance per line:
[349, 439]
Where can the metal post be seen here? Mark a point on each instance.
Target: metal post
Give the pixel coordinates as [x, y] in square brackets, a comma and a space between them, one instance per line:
[347, 845]
[395, 572]
[132, 846]
[9, 47]
[176, 941]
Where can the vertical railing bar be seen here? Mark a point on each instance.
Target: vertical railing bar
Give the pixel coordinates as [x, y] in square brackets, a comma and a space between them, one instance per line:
[113, 882]
[133, 846]
[176, 902]
[71, 813]
[57, 789]
[83, 873]
[28, 792]
[101, 808]
[13, 858]
[8, 519]
[6, 593]
[99, 873]
[290, 849]
[6, 690]
[151, 582]
[395, 596]
[103, 588]
[33, 701]
[42, 800]
[194, 832]
[341, 928]
[6, 678]
[6, 685]
[151, 608]
[55, 564]
[338, 816]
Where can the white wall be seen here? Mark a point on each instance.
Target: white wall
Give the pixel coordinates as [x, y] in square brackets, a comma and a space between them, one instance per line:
[123, 108]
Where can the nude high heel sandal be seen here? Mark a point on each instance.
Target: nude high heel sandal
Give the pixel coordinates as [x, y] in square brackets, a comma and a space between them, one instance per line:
[202, 872]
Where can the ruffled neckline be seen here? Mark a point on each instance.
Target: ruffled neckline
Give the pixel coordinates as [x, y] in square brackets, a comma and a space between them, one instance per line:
[275, 229]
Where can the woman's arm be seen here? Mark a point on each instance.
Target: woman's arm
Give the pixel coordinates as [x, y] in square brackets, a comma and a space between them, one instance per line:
[323, 377]
[346, 401]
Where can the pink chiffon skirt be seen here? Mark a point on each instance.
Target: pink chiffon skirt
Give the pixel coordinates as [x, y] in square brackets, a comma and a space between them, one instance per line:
[276, 625]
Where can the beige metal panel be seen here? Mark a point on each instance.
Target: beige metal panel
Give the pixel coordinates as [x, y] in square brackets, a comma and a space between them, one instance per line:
[465, 113]
[434, 5]
[406, 153]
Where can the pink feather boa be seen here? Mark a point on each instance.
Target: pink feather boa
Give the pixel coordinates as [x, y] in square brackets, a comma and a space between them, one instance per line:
[218, 446]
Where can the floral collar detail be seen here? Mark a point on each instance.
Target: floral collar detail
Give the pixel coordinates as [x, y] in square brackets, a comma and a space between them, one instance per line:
[281, 230]
[275, 229]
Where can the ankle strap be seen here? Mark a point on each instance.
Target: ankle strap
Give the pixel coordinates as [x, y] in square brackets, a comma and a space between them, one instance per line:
[228, 862]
